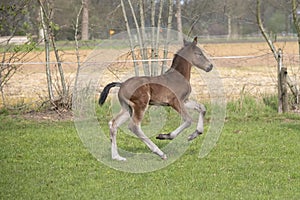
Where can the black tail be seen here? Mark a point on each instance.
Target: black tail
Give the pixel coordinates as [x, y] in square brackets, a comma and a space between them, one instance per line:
[105, 91]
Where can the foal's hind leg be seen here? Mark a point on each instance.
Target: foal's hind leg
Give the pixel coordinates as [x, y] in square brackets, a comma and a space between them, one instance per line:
[135, 127]
[113, 126]
[200, 108]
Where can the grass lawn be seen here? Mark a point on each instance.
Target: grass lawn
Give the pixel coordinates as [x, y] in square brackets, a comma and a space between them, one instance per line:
[256, 157]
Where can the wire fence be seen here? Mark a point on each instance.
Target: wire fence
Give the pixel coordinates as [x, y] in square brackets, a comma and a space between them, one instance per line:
[254, 75]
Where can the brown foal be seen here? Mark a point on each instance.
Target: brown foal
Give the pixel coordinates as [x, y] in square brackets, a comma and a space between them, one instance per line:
[169, 89]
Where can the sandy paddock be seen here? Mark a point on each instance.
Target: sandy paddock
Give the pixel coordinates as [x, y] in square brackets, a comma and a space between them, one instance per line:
[247, 68]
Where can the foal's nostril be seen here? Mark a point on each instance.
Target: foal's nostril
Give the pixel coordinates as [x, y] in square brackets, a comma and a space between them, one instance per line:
[209, 68]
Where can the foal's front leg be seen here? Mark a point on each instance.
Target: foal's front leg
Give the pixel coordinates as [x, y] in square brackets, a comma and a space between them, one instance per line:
[200, 108]
[186, 123]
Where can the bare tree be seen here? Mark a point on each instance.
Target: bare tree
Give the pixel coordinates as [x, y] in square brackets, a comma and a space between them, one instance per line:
[155, 49]
[263, 31]
[143, 38]
[77, 49]
[136, 65]
[85, 20]
[179, 22]
[196, 14]
[281, 71]
[296, 20]
[153, 52]
[166, 45]
[140, 38]
[272, 47]
[45, 28]
[235, 11]
[142, 16]
[11, 16]
[49, 27]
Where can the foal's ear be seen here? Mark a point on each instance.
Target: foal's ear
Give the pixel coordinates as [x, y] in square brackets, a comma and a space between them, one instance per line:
[195, 41]
[185, 43]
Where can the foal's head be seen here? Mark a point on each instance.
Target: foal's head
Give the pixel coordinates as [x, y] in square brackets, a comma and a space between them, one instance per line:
[195, 56]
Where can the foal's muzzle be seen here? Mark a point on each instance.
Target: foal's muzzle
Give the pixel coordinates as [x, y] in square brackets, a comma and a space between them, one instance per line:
[209, 68]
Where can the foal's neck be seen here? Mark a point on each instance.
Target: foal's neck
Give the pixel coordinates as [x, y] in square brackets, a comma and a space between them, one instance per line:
[182, 66]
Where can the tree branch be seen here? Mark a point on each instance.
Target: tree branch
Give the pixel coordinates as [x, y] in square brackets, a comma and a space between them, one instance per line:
[262, 30]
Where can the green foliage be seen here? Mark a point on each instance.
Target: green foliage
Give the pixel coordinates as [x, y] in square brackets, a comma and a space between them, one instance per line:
[4, 112]
[27, 47]
[271, 101]
[54, 26]
[15, 17]
[250, 107]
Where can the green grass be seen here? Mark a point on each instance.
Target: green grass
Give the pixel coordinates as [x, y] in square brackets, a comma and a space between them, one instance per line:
[64, 46]
[256, 157]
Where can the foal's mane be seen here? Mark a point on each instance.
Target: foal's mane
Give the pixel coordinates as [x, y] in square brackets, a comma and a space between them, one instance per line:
[177, 59]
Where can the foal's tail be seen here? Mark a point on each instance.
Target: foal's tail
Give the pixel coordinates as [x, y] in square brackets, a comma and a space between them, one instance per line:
[105, 91]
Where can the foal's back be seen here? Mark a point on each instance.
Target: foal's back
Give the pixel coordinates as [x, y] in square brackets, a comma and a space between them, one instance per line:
[158, 90]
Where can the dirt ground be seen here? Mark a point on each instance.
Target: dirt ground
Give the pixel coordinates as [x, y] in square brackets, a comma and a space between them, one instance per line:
[243, 68]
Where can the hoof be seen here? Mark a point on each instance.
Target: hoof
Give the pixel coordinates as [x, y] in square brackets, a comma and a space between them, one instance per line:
[119, 158]
[194, 135]
[164, 137]
[164, 157]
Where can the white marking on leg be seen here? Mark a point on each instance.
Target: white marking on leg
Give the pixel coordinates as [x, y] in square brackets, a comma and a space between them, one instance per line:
[136, 129]
[200, 108]
[187, 122]
[113, 126]
[178, 130]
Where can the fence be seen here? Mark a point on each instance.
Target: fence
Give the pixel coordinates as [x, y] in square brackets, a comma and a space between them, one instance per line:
[245, 69]
[13, 40]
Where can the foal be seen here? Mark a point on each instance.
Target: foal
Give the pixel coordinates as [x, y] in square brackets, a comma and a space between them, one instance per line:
[169, 89]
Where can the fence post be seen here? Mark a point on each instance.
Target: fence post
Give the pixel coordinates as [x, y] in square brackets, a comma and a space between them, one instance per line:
[284, 94]
[282, 85]
[279, 66]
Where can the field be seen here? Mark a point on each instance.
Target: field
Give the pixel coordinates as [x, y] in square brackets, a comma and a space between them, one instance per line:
[256, 157]
[242, 67]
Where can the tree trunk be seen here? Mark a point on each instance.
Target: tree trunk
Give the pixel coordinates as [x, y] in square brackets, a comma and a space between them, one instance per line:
[297, 27]
[77, 50]
[41, 36]
[263, 32]
[60, 70]
[142, 16]
[153, 52]
[228, 27]
[144, 49]
[296, 22]
[85, 20]
[136, 65]
[277, 55]
[284, 93]
[154, 70]
[279, 81]
[144, 57]
[47, 52]
[179, 22]
[166, 45]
